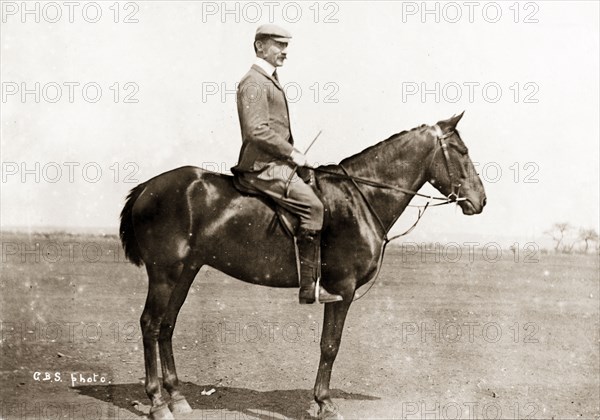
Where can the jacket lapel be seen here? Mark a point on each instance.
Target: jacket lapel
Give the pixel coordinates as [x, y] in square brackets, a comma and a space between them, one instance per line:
[268, 76]
[278, 86]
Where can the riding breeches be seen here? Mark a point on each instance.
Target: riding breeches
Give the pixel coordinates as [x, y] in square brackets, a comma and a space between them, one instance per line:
[299, 199]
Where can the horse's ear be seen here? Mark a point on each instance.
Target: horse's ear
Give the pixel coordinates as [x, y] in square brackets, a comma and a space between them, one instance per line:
[451, 123]
[457, 118]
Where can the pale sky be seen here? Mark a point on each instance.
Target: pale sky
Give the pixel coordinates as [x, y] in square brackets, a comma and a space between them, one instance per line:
[354, 77]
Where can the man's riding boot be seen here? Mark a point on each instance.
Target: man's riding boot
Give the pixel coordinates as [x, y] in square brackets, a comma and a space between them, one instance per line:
[309, 245]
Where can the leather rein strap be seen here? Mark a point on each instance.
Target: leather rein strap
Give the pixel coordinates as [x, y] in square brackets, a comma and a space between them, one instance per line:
[451, 198]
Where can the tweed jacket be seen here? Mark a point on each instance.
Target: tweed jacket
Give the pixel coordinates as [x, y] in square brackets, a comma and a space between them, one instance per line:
[264, 121]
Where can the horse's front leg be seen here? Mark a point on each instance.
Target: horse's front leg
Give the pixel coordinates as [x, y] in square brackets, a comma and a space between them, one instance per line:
[333, 325]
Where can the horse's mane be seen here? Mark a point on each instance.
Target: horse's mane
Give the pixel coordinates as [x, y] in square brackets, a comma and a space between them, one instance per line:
[379, 148]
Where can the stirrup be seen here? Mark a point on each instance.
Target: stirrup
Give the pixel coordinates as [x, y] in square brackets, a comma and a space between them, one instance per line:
[330, 298]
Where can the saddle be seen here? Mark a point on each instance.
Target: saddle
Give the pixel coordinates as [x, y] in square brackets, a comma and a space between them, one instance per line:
[289, 222]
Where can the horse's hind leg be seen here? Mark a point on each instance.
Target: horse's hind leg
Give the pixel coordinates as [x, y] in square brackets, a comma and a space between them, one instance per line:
[178, 403]
[160, 286]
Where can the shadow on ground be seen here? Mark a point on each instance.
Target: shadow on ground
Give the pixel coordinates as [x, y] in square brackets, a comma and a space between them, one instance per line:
[292, 403]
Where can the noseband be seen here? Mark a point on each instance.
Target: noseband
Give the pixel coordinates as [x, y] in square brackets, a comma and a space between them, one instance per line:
[453, 197]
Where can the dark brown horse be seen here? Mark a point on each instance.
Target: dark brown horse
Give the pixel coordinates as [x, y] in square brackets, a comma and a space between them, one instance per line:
[188, 217]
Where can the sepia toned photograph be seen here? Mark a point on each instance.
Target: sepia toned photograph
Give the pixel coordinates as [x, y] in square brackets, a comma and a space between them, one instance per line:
[300, 210]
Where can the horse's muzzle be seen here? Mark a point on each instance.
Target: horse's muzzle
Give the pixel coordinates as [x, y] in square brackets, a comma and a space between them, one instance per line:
[469, 209]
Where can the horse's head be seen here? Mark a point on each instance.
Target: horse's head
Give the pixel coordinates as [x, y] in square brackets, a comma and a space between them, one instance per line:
[451, 171]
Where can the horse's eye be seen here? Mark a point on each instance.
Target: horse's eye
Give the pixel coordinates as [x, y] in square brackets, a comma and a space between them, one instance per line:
[461, 149]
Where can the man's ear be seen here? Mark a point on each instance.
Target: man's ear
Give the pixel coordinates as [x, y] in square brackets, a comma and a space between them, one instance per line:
[258, 45]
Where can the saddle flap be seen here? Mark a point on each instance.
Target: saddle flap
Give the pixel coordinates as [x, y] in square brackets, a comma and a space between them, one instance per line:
[288, 220]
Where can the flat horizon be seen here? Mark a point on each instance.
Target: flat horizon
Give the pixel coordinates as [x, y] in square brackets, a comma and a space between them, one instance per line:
[416, 237]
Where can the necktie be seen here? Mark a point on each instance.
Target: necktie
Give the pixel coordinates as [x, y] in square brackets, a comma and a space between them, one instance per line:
[275, 75]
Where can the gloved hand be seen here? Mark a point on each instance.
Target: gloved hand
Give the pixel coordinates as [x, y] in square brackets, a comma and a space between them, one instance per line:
[298, 158]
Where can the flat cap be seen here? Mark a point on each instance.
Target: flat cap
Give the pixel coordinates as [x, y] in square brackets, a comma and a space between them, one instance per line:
[273, 31]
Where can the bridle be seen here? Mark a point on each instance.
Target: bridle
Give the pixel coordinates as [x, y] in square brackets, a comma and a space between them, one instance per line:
[441, 138]
[452, 197]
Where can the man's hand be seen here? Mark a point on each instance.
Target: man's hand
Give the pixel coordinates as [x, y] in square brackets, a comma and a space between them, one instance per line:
[298, 158]
[307, 175]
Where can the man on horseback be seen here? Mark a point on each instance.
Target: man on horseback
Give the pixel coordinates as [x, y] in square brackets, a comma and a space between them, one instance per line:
[267, 158]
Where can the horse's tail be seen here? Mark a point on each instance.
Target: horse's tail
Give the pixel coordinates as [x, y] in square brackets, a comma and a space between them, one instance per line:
[126, 231]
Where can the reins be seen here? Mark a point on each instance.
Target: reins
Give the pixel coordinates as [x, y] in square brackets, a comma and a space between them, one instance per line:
[453, 197]
[377, 184]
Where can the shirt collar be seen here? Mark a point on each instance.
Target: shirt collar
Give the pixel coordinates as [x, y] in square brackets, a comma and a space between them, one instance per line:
[265, 65]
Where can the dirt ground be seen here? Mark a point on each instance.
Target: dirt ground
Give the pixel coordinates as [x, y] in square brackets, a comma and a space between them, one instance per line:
[447, 339]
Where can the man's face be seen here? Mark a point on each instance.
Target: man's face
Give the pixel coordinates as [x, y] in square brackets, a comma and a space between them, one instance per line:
[274, 52]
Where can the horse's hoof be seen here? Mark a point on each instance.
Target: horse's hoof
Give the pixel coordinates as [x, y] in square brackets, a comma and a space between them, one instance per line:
[329, 414]
[180, 406]
[161, 412]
